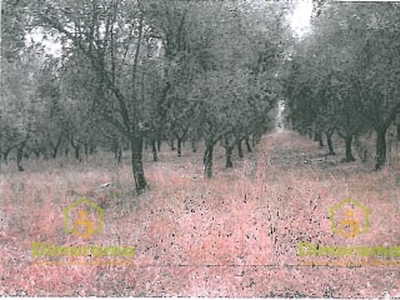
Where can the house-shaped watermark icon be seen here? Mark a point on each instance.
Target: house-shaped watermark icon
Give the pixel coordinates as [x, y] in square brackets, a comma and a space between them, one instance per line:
[349, 221]
[83, 226]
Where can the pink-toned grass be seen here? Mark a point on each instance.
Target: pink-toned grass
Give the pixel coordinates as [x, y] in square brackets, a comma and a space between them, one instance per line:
[236, 235]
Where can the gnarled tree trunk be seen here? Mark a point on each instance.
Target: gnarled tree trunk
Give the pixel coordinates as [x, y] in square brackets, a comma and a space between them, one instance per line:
[248, 144]
[208, 159]
[318, 138]
[179, 146]
[349, 155]
[228, 154]
[329, 134]
[239, 147]
[380, 148]
[136, 142]
[154, 149]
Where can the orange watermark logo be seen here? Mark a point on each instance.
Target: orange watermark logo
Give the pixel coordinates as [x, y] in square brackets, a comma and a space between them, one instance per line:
[83, 227]
[345, 223]
[349, 227]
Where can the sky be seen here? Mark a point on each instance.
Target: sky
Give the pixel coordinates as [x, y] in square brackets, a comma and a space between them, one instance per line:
[51, 45]
[300, 23]
[301, 17]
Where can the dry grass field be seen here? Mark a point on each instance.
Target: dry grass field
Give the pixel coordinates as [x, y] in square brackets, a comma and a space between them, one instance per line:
[236, 235]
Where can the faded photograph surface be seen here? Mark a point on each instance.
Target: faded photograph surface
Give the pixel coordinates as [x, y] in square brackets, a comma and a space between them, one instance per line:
[189, 148]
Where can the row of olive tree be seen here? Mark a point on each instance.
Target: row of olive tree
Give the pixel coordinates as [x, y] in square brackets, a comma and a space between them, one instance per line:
[344, 75]
[159, 70]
